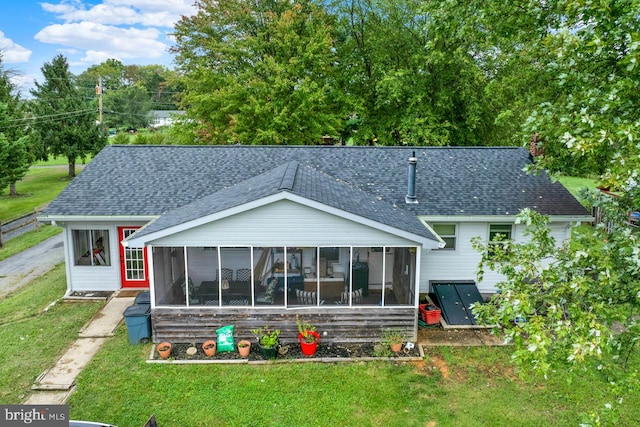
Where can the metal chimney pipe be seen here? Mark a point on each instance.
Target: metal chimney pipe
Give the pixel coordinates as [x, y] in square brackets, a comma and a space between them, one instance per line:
[411, 184]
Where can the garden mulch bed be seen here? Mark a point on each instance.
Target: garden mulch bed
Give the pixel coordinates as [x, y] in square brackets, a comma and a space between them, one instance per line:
[327, 352]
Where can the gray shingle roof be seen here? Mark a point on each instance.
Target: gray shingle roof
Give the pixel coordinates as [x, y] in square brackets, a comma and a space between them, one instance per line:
[302, 181]
[135, 180]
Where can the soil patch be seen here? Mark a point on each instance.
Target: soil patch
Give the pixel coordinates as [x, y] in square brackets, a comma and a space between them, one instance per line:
[291, 352]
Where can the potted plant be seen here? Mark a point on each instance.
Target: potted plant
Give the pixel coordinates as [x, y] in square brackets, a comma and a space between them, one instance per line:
[209, 348]
[244, 347]
[394, 338]
[308, 337]
[164, 349]
[267, 341]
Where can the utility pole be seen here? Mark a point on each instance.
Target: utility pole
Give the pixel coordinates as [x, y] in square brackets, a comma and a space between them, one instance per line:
[99, 93]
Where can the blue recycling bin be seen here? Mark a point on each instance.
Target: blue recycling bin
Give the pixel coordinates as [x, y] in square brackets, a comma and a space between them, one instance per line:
[143, 298]
[138, 320]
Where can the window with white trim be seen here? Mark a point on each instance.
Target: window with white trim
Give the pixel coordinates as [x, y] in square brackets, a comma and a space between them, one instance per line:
[447, 232]
[91, 247]
[499, 234]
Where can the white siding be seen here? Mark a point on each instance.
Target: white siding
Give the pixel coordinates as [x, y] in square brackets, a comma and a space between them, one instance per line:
[283, 222]
[93, 278]
[461, 264]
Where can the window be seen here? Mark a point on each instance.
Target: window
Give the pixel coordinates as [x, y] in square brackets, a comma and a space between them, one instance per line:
[447, 232]
[498, 235]
[91, 247]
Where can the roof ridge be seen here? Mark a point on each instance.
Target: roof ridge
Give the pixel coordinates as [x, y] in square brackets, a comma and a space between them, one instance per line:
[289, 176]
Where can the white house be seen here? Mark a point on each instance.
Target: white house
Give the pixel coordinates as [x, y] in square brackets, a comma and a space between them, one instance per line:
[246, 235]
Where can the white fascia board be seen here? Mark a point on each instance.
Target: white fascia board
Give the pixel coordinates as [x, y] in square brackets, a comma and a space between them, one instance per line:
[283, 195]
[500, 218]
[138, 242]
[94, 218]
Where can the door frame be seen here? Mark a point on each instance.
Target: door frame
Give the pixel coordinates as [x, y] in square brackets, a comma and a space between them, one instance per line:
[131, 283]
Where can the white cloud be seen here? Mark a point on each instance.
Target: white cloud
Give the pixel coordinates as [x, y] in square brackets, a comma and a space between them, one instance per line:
[13, 53]
[104, 41]
[153, 13]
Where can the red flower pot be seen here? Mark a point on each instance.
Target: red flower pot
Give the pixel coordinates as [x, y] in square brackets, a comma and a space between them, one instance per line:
[309, 348]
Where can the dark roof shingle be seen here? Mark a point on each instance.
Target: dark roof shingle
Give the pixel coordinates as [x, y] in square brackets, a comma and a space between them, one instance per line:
[135, 180]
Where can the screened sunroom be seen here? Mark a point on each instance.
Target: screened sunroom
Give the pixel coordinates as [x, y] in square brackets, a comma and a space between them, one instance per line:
[219, 277]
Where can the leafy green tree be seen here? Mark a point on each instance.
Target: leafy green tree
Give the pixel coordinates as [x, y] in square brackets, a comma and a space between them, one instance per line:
[576, 305]
[260, 72]
[127, 107]
[417, 72]
[111, 72]
[591, 122]
[161, 84]
[14, 154]
[580, 304]
[64, 124]
[129, 92]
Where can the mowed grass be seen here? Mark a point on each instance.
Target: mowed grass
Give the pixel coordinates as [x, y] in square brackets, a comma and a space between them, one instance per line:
[36, 328]
[39, 187]
[575, 184]
[452, 387]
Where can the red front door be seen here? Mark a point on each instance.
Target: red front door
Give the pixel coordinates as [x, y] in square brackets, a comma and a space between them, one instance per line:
[133, 262]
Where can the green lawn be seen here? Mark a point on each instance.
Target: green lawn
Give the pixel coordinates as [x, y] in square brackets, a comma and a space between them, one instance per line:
[575, 184]
[34, 333]
[39, 187]
[452, 387]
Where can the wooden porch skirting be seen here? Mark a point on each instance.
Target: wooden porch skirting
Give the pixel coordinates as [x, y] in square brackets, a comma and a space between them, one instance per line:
[342, 325]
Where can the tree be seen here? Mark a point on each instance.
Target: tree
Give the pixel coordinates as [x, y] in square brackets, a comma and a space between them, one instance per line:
[579, 304]
[161, 84]
[259, 72]
[431, 72]
[593, 53]
[14, 155]
[64, 124]
[127, 107]
[14, 161]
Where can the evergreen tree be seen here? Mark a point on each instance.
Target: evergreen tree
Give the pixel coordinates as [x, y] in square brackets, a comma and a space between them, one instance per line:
[14, 154]
[64, 124]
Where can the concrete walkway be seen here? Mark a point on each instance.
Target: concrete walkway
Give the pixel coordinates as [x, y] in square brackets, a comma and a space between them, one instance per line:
[55, 385]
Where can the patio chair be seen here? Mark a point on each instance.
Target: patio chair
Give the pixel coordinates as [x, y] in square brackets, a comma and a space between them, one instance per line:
[356, 297]
[306, 297]
[243, 275]
[227, 274]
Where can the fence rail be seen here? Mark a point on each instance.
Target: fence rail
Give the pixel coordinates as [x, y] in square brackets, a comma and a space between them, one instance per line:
[20, 225]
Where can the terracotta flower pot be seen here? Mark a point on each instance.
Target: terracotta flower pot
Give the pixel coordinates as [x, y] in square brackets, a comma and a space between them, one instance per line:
[244, 347]
[164, 349]
[396, 347]
[209, 348]
[309, 348]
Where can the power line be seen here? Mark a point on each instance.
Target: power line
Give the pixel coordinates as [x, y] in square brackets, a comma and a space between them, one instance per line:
[46, 118]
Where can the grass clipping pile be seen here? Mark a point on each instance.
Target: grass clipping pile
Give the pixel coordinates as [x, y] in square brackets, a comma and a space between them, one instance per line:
[185, 352]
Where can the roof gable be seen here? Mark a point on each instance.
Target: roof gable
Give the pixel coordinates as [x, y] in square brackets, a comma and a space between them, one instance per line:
[296, 180]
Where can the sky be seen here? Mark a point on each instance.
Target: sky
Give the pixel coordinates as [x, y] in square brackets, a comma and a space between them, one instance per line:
[86, 32]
